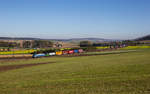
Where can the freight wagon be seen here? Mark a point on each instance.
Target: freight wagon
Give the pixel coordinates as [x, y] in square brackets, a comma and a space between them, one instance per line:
[52, 53]
[71, 51]
[65, 52]
[59, 53]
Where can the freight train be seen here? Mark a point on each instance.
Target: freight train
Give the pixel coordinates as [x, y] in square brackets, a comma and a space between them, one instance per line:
[57, 53]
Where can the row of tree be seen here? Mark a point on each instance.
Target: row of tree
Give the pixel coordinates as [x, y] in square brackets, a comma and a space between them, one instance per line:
[118, 43]
[37, 44]
[90, 44]
[27, 44]
[9, 44]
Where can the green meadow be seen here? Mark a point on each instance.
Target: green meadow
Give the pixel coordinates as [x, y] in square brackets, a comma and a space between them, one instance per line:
[121, 73]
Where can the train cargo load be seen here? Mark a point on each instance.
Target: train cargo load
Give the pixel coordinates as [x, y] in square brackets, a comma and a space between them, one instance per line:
[52, 53]
[80, 50]
[59, 53]
[71, 51]
[76, 51]
[65, 52]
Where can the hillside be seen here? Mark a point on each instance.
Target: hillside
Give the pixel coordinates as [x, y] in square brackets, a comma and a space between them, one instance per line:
[63, 40]
[143, 38]
[18, 38]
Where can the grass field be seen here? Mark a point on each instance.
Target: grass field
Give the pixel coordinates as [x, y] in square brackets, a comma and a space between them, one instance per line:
[124, 73]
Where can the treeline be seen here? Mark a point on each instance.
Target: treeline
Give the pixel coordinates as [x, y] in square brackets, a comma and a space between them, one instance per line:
[37, 44]
[9, 44]
[103, 44]
[118, 43]
[27, 44]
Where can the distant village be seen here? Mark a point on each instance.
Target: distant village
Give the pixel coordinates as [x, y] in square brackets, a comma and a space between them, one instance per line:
[21, 44]
[7, 44]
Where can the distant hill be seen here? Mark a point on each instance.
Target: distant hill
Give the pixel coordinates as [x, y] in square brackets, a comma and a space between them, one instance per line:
[11, 38]
[143, 38]
[64, 40]
[82, 39]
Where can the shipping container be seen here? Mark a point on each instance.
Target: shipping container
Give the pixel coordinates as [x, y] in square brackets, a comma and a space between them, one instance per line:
[80, 50]
[76, 51]
[59, 53]
[65, 52]
[71, 51]
[52, 53]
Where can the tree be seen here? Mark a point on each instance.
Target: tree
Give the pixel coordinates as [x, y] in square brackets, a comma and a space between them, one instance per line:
[85, 44]
[27, 44]
[8, 44]
[129, 42]
[42, 44]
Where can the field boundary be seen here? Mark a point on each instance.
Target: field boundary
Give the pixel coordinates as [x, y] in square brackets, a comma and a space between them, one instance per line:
[12, 67]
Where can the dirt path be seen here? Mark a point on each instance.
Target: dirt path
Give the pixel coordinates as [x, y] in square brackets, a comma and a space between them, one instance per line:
[11, 67]
[17, 56]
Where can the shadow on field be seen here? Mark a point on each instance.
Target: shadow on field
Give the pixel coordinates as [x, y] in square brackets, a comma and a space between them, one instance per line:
[11, 67]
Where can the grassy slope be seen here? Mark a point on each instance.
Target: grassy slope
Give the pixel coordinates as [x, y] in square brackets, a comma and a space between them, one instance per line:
[126, 73]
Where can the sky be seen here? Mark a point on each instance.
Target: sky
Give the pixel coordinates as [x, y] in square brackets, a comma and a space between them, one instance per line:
[109, 19]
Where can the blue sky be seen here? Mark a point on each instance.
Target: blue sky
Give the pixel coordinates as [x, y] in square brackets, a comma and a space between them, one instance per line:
[110, 19]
